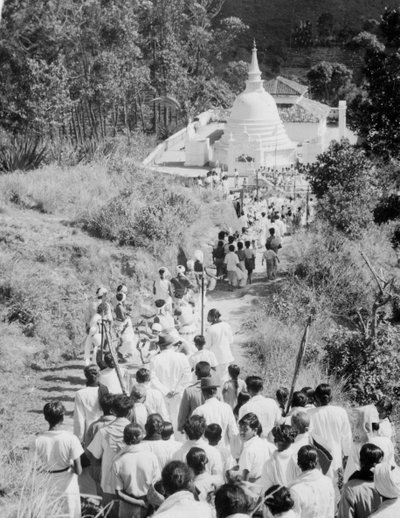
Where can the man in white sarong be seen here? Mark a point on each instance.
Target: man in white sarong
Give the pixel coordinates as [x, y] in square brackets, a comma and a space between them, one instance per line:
[87, 406]
[332, 424]
[171, 374]
[219, 338]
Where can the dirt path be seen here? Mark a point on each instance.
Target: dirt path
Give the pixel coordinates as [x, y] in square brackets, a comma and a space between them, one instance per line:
[62, 381]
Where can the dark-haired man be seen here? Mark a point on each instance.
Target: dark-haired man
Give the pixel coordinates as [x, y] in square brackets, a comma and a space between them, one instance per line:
[359, 497]
[312, 492]
[87, 407]
[107, 442]
[332, 424]
[194, 429]
[266, 409]
[192, 396]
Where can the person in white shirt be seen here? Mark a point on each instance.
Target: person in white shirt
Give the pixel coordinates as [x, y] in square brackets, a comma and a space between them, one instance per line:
[231, 261]
[231, 502]
[109, 378]
[255, 452]
[162, 289]
[170, 374]
[332, 424]
[58, 452]
[279, 502]
[194, 430]
[219, 338]
[384, 407]
[180, 502]
[166, 320]
[312, 492]
[278, 468]
[107, 442]
[215, 411]
[87, 406]
[213, 434]
[154, 401]
[205, 483]
[139, 411]
[266, 409]
[155, 443]
[202, 354]
[134, 470]
[101, 298]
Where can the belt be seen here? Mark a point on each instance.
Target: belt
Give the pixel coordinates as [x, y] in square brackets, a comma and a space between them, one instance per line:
[60, 470]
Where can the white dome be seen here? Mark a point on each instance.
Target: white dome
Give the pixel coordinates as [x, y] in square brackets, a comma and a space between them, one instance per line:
[255, 106]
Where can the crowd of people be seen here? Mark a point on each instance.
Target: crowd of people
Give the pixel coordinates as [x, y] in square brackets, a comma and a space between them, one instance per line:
[166, 427]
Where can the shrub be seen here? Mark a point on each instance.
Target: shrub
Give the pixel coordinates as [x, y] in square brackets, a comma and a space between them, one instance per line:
[371, 367]
[345, 183]
[22, 154]
[387, 209]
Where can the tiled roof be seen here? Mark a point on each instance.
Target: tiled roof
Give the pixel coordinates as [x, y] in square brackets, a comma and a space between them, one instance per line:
[282, 86]
[305, 110]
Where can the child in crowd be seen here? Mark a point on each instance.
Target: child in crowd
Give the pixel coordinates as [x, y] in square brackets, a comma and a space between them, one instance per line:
[271, 259]
[233, 387]
[205, 483]
[282, 396]
[213, 434]
[202, 354]
[134, 470]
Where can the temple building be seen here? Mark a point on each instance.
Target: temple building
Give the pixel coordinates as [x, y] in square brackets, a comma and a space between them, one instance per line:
[254, 131]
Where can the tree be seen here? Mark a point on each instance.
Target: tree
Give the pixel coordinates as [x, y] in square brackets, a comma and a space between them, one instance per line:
[328, 81]
[235, 74]
[375, 112]
[345, 183]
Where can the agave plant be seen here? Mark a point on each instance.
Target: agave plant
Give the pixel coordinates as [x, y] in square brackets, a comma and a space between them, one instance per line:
[22, 154]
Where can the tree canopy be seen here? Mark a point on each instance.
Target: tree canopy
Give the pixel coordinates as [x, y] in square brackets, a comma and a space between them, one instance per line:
[344, 181]
[90, 69]
[375, 112]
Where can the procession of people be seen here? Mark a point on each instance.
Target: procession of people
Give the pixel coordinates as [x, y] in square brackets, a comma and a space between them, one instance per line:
[167, 427]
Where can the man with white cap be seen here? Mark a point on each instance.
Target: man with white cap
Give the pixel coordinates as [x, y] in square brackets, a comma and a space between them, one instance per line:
[170, 375]
[387, 483]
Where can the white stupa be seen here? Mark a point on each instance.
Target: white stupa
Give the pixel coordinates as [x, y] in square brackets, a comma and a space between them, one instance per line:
[254, 128]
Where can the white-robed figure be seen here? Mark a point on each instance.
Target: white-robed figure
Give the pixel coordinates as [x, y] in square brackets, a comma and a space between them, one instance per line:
[312, 492]
[219, 338]
[58, 453]
[366, 430]
[97, 328]
[332, 424]
[170, 374]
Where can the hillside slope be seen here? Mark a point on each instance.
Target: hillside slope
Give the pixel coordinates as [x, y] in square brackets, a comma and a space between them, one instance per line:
[271, 21]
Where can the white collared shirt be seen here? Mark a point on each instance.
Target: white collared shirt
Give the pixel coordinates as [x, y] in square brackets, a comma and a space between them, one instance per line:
[266, 409]
[215, 411]
[170, 372]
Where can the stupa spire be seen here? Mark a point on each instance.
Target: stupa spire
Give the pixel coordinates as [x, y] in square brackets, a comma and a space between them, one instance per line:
[254, 70]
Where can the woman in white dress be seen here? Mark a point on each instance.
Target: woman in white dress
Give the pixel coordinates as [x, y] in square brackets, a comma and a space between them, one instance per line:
[58, 453]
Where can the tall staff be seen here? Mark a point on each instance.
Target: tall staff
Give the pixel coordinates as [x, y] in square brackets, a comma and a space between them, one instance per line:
[299, 359]
[200, 258]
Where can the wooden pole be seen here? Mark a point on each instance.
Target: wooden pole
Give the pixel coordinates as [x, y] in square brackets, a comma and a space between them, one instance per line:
[299, 359]
[202, 301]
